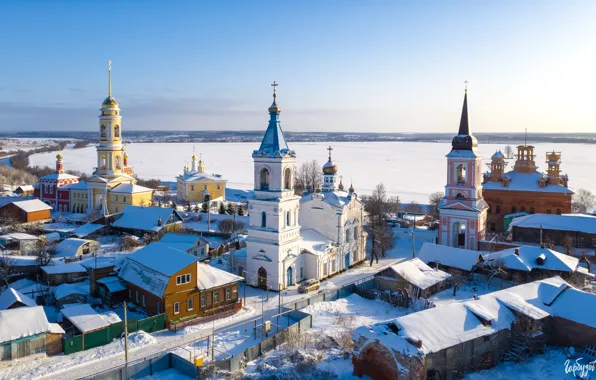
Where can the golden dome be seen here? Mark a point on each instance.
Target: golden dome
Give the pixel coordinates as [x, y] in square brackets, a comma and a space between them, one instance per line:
[274, 108]
[329, 168]
[194, 157]
[125, 155]
[59, 157]
[351, 190]
[109, 103]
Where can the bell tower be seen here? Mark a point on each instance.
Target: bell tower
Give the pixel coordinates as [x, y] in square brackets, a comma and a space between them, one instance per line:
[110, 151]
[273, 231]
[462, 211]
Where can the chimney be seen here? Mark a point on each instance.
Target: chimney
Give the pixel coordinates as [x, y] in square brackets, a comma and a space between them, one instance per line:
[516, 252]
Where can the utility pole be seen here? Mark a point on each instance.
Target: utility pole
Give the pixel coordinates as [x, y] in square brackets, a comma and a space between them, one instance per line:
[540, 235]
[125, 336]
[413, 248]
[208, 215]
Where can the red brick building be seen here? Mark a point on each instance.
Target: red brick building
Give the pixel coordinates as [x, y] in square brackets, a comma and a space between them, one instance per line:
[524, 189]
[49, 187]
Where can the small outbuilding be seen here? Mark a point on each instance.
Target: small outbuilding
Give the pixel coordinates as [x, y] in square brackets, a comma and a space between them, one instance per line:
[21, 243]
[458, 262]
[415, 277]
[73, 247]
[31, 210]
[63, 273]
[23, 332]
[138, 220]
[82, 319]
[24, 190]
[12, 298]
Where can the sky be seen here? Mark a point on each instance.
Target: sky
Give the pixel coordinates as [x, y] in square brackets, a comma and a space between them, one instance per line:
[353, 66]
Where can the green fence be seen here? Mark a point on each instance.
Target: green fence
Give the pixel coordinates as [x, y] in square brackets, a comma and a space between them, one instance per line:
[107, 334]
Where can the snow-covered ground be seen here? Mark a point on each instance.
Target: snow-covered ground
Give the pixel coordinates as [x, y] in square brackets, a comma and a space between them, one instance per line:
[363, 163]
[27, 144]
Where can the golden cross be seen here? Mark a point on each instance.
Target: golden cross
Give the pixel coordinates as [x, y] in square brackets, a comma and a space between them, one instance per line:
[466, 83]
[109, 78]
[330, 149]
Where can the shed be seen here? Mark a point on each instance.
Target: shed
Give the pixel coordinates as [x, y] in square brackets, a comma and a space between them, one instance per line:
[82, 319]
[457, 261]
[24, 190]
[90, 230]
[138, 220]
[72, 247]
[22, 243]
[72, 293]
[31, 210]
[417, 278]
[63, 273]
[112, 290]
[23, 332]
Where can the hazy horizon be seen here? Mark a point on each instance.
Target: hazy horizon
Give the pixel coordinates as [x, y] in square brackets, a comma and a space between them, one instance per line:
[342, 66]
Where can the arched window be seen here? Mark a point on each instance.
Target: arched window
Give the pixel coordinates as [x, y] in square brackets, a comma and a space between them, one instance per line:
[263, 219]
[523, 209]
[532, 210]
[288, 179]
[355, 232]
[558, 211]
[459, 196]
[117, 162]
[498, 210]
[117, 131]
[492, 227]
[288, 219]
[264, 179]
[513, 209]
[461, 174]
[103, 131]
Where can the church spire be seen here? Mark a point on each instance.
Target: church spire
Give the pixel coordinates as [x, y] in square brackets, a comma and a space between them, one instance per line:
[464, 139]
[109, 78]
[274, 143]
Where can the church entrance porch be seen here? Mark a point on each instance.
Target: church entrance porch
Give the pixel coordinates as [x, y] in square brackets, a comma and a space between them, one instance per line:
[262, 278]
[459, 235]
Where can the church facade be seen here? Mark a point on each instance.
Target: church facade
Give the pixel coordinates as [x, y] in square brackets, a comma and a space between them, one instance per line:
[524, 190]
[284, 247]
[194, 185]
[463, 210]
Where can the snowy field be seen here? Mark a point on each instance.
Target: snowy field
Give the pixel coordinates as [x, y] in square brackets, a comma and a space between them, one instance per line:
[410, 170]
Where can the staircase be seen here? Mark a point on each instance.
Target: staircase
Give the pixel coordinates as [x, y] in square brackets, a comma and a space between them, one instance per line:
[523, 346]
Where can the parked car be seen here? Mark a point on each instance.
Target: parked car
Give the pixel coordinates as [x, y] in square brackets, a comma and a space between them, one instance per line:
[309, 285]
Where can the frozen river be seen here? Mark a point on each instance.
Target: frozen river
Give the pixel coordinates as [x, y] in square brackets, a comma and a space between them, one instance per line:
[408, 169]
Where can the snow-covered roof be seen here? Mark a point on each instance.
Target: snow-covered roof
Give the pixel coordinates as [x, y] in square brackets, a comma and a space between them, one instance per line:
[32, 205]
[55, 176]
[10, 296]
[113, 283]
[152, 266]
[129, 188]
[22, 322]
[6, 200]
[64, 268]
[20, 261]
[25, 188]
[209, 277]
[172, 237]
[56, 329]
[82, 185]
[525, 182]
[566, 222]
[313, 241]
[51, 236]
[419, 274]
[84, 318]
[274, 143]
[146, 218]
[449, 325]
[527, 259]
[195, 176]
[86, 229]
[19, 236]
[338, 199]
[70, 247]
[449, 256]
[65, 290]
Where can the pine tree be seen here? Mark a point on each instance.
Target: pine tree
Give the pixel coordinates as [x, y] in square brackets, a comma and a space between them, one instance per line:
[205, 207]
[188, 207]
[197, 208]
[174, 205]
[240, 210]
[222, 209]
[230, 209]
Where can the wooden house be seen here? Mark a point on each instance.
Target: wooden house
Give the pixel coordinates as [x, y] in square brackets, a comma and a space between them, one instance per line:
[31, 210]
[63, 273]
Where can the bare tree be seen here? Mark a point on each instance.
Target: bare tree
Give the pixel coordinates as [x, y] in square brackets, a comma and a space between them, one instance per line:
[308, 175]
[583, 201]
[414, 207]
[434, 200]
[508, 152]
[379, 208]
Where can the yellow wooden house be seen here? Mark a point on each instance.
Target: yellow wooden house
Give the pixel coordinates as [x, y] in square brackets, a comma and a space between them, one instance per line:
[194, 185]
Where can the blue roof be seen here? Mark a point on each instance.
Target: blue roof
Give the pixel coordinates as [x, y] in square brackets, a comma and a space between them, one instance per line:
[172, 237]
[146, 218]
[274, 143]
[163, 258]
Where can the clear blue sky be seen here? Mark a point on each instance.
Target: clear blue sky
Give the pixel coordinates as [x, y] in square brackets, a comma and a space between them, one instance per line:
[383, 66]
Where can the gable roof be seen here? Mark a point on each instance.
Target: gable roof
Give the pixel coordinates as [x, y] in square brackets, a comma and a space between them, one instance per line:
[64, 268]
[419, 274]
[566, 222]
[86, 229]
[22, 322]
[453, 257]
[32, 205]
[173, 237]
[525, 182]
[10, 296]
[527, 259]
[145, 218]
[129, 188]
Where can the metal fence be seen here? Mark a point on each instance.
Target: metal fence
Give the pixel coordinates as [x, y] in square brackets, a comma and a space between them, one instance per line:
[107, 334]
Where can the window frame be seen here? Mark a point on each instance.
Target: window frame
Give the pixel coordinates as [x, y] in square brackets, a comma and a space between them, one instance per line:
[228, 294]
[177, 306]
[203, 300]
[190, 304]
[215, 296]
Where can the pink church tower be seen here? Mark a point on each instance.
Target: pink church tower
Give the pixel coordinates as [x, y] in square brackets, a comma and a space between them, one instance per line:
[462, 211]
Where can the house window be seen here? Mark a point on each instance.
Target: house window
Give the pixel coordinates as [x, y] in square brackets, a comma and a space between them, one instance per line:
[348, 235]
[192, 187]
[183, 279]
[129, 293]
[218, 186]
[523, 209]
[137, 296]
[117, 209]
[325, 265]
[176, 307]
[558, 211]
[228, 294]
[498, 210]
[264, 179]
[548, 211]
[203, 300]
[144, 300]
[215, 297]
[513, 209]
[532, 210]
[189, 304]
[123, 199]
[263, 219]
[288, 218]
[116, 198]
[158, 307]
[205, 187]
[356, 233]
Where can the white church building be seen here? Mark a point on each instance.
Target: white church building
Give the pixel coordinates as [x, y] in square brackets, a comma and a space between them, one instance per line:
[293, 238]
